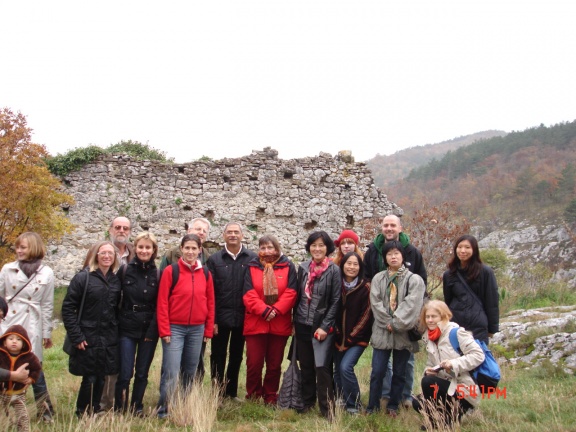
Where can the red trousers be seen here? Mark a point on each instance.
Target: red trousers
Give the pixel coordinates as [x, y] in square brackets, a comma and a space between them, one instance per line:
[259, 349]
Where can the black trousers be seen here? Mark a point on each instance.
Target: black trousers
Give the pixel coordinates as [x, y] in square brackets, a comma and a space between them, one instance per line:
[317, 382]
[227, 377]
[89, 394]
[447, 409]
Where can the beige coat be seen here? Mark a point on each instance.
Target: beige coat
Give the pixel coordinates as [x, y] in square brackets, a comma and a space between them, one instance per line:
[33, 306]
[410, 299]
[460, 380]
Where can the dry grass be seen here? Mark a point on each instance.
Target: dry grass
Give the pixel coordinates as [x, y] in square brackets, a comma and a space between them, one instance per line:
[195, 407]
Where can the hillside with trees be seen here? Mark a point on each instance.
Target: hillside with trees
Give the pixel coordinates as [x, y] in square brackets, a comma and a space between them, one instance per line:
[500, 178]
[389, 169]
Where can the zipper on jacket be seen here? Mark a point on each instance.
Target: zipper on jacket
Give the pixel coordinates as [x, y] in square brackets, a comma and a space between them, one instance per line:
[191, 300]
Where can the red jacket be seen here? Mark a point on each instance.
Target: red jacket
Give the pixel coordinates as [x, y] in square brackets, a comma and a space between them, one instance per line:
[257, 310]
[190, 303]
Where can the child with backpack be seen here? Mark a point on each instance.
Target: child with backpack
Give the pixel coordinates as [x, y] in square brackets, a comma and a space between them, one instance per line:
[448, 387]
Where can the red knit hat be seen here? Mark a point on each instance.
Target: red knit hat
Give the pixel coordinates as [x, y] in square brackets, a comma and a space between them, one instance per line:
[347, 234]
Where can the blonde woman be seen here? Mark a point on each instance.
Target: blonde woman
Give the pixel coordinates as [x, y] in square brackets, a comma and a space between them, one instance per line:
[28, 286]
[137, 324]
[95, 337]
[447, 384]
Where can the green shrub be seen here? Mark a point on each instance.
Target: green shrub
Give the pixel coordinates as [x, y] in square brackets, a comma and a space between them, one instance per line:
[64, 164]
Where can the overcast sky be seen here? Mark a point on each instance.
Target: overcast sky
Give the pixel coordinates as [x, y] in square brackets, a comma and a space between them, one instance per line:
[221, 78]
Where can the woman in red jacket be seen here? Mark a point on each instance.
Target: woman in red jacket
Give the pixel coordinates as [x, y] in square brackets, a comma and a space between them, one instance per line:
[269, 295]
[185, 314]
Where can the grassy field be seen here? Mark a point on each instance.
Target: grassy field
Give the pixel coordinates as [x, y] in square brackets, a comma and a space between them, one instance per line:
[535, 400]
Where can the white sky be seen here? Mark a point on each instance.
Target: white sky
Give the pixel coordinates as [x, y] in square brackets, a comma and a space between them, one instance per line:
[221, 78]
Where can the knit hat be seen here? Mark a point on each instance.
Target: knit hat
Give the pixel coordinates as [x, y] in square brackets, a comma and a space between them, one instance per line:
[347, 234]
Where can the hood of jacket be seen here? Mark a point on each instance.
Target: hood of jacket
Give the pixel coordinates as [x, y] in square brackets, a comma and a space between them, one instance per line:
[21, 332]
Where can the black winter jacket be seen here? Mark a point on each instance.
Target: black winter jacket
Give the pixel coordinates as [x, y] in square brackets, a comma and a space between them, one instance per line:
[465, 307]
[139, 296]
[98, 324]
[327, 290]
[228, 275]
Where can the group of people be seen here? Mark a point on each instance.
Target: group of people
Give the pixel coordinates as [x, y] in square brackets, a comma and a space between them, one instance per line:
[334, 305]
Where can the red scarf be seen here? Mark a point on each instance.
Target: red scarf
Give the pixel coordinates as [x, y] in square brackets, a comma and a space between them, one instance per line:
[269, 283]
[434, 335]
[315, 272]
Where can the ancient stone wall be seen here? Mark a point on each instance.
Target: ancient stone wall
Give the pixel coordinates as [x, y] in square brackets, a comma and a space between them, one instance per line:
[286, 198]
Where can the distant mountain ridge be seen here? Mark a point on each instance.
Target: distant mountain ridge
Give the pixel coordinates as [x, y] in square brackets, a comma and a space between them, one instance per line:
[389, 169]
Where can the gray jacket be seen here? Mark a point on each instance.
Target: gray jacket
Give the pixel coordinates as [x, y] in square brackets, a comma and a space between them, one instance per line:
[406, 315]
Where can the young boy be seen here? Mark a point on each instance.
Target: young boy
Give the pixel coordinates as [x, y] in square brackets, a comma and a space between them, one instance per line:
[15, 350]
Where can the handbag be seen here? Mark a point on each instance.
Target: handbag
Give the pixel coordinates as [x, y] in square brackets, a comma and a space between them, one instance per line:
[67, 347]
[290, 395]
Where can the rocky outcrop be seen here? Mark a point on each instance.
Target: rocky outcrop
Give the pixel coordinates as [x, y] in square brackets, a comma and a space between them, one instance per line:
[547, 244]
[287, 198]
[532, 336]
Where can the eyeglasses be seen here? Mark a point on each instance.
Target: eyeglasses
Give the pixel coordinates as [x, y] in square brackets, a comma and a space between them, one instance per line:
[105, 253]
[121, 228]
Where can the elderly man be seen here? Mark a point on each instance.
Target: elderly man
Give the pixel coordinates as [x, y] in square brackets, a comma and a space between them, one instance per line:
[198, 226]
[228, 267]
[374, 262]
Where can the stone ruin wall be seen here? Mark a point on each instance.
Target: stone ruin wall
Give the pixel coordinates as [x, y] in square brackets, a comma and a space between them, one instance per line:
[286, 198]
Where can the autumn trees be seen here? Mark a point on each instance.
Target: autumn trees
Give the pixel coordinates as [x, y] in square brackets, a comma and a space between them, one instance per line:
[30, 198]
[432, 230]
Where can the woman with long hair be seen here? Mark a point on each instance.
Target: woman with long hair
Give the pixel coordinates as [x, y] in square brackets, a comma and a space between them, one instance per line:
[319, 288]
[269, 294]
[448, 389]
[470, 290]
[396, 297]
[28, 286]
[185, 313]
[137, 323]
[353, 329]
[95, 337]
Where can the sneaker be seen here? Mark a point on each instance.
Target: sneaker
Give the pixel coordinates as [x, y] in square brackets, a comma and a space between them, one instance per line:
[46, 417]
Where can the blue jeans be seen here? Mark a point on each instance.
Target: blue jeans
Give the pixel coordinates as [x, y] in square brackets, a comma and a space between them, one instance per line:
[136, 356]
[344, 376]
[182, 351]
[42, 397]
[387, 384]
[380, 360]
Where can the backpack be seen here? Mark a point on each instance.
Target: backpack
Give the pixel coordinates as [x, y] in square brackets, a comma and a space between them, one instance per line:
[487, 374]
[176, 275]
